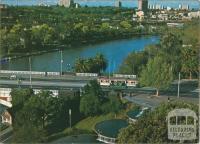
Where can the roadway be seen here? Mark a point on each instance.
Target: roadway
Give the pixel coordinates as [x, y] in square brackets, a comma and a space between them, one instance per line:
[42, 83]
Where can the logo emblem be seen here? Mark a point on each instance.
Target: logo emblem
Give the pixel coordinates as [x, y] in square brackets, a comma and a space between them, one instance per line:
[182, 124]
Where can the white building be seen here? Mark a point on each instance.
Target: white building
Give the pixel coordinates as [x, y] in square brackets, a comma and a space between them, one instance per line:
[194, 14]
[6, 117]
[65, 3]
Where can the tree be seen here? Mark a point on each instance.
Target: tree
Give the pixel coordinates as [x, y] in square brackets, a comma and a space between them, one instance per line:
[170, 49]
[28, 133]
[19, 97]
[113, 104]
[157, 74]
[91, 65]
[151, 127]
[42, 34]
[189, 61]
[3, 41]
[105, 26]
[125, 24]
[101, 61]
[42, 112]
[133, 63]
[91, 100]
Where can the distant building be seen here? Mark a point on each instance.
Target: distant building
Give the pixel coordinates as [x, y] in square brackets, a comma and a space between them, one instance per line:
[179, 25]
[143, 5]
[140, 14]
[158, 6]
[6, 118]
[65, 3]
[194, 14]
[3, 6]
[118, 3]
[77, 5]
[168, 8]
[185, 7]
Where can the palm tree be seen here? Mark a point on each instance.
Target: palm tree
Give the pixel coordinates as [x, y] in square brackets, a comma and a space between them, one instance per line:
[101, 62]
[79, 65]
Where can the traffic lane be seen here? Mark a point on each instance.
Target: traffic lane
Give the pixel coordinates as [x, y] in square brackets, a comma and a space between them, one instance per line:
[43, 83]
[142, 102]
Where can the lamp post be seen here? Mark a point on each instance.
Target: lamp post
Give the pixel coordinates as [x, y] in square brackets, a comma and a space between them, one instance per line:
[30, 70]
[61, 62]
[179, 77]
[70, 119]
[68, 67]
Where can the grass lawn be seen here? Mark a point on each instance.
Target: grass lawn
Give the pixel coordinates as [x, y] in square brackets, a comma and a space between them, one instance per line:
[86, 126]
[89, 123]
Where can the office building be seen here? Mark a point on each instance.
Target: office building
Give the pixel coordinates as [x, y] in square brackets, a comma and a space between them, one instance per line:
[65, 3]
[143, 5]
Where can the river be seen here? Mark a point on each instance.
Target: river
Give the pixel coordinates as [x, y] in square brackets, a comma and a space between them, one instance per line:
[114, 51]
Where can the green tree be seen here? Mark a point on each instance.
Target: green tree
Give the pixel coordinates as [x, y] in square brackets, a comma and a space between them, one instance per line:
[105, 26]
[42, 34]
[170, 49]
[152, 126]
[91, 100]
[189, 61]
[133, 63]
[125, 24]
[113, 104]
[157, 74]
[91, 65]
[19, 97]
[28, 133]
[101, 62]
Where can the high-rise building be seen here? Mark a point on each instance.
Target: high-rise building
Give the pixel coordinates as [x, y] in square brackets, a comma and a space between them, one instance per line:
[143, 5]
[118, 3]
[65, 3]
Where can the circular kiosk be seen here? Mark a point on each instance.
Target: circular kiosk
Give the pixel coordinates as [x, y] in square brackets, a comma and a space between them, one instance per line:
[108, 130]
[133, 115]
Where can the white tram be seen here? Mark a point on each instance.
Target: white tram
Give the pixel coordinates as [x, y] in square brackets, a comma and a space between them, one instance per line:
[118, 81]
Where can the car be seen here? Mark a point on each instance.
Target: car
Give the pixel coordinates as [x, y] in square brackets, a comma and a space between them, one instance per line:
[13, 77]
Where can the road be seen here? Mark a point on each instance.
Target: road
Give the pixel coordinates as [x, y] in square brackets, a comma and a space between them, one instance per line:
[40, 83]
[6, 134]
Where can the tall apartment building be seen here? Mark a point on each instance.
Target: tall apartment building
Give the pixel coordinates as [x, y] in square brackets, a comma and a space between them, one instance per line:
[143, 5]
[65, 3]
[118, 3]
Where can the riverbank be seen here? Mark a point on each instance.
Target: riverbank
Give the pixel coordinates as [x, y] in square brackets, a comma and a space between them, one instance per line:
[114, 51]
[65, 47]
[59, 29]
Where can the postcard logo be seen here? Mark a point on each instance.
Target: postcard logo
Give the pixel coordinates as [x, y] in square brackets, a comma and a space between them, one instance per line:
[182, 124]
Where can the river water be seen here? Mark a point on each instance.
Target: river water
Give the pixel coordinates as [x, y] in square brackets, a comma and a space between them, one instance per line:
[125, 3]
[114, 51]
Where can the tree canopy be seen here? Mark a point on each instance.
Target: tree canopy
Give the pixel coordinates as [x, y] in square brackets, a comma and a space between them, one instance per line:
[36, 116]
[91, 65]
[91, 99]
[157, 74]
[152, 126]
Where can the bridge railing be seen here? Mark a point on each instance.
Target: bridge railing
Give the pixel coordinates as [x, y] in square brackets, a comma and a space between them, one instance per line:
[87, 74]
[22, 72]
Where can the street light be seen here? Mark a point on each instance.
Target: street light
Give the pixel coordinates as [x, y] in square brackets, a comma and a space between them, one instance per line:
[179, 77]
[68, 67]
[30, 72]
[61, 62]
[70, 119]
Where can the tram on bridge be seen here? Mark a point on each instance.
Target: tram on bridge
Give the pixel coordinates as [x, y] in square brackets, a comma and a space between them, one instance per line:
[119, 81]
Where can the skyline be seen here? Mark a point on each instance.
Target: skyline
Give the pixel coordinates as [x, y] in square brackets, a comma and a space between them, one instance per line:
[95, 3]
